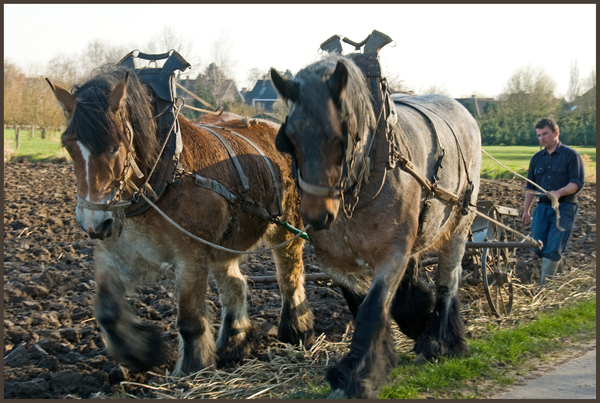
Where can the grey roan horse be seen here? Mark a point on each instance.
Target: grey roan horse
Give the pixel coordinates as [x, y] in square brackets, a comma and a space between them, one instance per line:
[372, 252]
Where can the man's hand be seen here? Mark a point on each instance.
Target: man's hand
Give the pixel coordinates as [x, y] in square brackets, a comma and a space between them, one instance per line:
[526, 218]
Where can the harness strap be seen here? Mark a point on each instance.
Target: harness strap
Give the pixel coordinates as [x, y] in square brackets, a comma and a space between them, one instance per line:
[222, 190]
[316, 190]
[81, 202]
[233, 157]
[423, 109]
[278, 192]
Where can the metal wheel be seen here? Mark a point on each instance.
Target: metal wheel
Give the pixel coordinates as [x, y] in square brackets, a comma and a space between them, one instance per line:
[498, 267]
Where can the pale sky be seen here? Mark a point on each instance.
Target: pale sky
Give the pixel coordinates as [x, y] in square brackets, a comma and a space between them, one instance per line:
[466, 49]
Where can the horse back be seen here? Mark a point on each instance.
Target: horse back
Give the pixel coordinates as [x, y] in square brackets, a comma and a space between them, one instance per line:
[205, 154]
[434, 122]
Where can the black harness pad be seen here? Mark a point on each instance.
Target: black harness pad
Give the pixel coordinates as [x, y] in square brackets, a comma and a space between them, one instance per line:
[162, 83]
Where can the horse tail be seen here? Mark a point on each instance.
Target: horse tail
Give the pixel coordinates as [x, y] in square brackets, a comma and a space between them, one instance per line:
[413, 302]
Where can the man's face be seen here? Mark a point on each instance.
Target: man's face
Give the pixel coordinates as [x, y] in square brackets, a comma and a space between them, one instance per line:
[546, 137]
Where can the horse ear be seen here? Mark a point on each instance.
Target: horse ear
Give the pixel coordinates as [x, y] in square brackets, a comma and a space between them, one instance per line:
[287, 89]
[64, 97]
[282, 142]
[337, 82]
[118, 94]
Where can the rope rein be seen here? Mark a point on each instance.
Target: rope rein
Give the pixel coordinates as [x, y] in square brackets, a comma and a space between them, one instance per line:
[552, 197]
[219, 247]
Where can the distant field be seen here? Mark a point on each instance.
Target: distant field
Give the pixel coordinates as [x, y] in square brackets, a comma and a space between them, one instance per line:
[34, 149]
[514, 157]
[517, 159]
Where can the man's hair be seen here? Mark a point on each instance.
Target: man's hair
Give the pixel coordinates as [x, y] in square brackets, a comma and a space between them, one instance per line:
[549, 123]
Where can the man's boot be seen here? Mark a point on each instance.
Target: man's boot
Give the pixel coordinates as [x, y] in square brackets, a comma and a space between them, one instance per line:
[548, 269]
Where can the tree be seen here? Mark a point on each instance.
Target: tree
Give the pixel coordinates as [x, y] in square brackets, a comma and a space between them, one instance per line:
[98, 54]
[168, 38]
[574, 84]
[253, 75]
[436, 88]
[63, 70]
[13, 89]
[528, 96]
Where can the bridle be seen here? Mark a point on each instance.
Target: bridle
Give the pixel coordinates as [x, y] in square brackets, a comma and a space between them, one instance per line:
[341, 190]
[115, 204]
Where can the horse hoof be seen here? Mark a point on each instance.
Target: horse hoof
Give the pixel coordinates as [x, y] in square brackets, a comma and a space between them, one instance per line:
[337, 394]
[420, 359]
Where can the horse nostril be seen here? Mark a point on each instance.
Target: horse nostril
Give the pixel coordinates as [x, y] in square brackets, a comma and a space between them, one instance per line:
[103, 231]
[321, 222]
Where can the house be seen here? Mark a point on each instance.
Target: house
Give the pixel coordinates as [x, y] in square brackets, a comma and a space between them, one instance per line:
[475, 105]
[263, 95]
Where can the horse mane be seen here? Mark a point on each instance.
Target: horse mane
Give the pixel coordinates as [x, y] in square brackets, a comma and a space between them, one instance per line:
[97, 128]
[357, 99]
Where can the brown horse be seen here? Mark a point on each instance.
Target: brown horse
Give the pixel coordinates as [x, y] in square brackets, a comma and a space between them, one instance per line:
[111, 129]
[371, 252]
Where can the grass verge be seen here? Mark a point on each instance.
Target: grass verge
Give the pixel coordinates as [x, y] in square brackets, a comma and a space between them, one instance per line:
[494, 356]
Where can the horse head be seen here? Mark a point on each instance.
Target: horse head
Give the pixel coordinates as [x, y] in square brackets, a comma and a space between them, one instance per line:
[99, 139]
[321, 133]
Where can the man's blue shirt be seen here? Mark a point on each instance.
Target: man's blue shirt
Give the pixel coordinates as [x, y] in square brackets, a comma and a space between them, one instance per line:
[556, 170]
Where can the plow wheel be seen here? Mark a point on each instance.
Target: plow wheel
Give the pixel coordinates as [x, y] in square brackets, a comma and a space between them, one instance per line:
[498, 267]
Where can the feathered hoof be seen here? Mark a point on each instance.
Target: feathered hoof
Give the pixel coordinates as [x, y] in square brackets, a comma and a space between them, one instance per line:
[141, 351]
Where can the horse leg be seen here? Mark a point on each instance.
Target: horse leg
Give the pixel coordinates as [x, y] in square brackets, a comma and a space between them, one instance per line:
[444, 334]
[196, 343]
[371, 358]
[354, 286]
[135, 344]
[297, 320]
[234, 341]
[413, 302]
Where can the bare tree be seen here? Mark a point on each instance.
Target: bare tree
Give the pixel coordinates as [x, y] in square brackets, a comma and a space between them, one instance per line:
[218, 75]
[13, 89]
[589, 82]
[168, 38]
[64, 70]
[436, 88]
[531, 89]
[395, 83]
[99, 53]
[254, 74]
[221, 54]
[574, 83]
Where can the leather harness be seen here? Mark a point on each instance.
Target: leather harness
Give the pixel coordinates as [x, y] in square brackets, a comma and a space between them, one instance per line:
[170, 171]
[383, 151]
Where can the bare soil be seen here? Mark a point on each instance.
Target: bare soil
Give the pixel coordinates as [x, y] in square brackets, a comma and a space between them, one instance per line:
[52, 343]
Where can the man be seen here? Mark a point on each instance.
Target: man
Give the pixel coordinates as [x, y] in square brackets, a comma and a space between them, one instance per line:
[558, 169]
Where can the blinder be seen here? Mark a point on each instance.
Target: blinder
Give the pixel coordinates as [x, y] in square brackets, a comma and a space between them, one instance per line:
[282, 142]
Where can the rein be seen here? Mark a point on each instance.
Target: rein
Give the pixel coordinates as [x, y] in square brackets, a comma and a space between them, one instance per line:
[219, 247]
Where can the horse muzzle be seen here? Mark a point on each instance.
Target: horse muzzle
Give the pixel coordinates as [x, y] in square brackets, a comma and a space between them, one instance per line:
[319, 212]
[96, 219]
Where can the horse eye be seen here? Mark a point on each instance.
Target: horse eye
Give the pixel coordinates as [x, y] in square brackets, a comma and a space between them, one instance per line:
[115, 149]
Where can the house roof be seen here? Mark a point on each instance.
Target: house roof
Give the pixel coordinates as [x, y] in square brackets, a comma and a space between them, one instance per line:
[263, 90]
